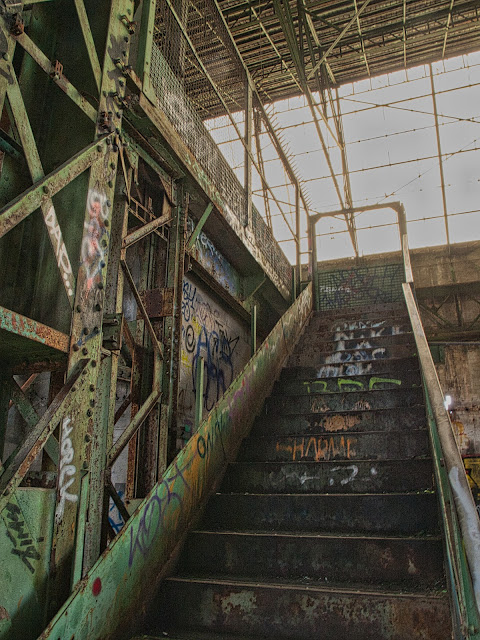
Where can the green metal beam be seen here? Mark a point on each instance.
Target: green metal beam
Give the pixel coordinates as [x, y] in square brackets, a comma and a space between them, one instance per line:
[41, 192]
[198, 229]
[24, 327]
[28, 413]
[57, 76]
[89, 43]
[36, 171]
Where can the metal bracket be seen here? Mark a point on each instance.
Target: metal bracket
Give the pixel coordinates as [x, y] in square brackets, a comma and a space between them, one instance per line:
[158, 302]
[112, 331]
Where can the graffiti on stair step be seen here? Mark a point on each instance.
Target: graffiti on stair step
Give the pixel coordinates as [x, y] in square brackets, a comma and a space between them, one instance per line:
[352, 470]
[318, 447]
[353, 354]
[347, 384]
[337, 422]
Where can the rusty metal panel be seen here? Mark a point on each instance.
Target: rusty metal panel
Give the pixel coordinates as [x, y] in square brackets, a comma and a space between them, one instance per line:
[123, 579]
[26, 526]
[158, 302]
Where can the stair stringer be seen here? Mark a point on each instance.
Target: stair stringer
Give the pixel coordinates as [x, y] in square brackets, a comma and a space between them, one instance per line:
[110, 600]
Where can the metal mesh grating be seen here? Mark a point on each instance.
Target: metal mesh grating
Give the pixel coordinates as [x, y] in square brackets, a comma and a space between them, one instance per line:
[174, 102]
[360, 286]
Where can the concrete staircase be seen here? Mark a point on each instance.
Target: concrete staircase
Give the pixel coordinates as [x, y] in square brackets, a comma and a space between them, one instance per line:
[326, 526]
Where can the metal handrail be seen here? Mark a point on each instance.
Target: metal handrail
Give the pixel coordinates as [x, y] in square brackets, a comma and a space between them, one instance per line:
[462, 512]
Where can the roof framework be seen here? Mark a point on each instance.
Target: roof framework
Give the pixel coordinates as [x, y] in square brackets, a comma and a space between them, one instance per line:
[352, 39]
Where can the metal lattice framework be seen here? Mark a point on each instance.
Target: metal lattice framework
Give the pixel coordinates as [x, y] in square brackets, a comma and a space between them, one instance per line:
[350, 41]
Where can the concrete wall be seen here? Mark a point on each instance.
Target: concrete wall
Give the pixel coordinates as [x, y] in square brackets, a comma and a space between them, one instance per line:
[210, 331]
[459, 376]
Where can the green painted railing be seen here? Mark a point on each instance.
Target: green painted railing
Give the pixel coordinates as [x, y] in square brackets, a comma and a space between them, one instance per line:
[459, 517]
[117, 590]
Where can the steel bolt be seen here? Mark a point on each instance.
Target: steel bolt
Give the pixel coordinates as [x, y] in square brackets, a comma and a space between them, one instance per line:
[85, 331]
[85, 351]
[75, 347]
[88, 437]
[99, 147]
[98, 307]
[92, 403]
[79, 308]
[100, 285]
[89, 413]
[46, 189]
[106, 223]
[92, 387]
[93, 363]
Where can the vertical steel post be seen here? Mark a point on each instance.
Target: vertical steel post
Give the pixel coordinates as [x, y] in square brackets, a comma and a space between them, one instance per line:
[173, 324]
[145, 43]
[439, 153]
[314, 263]
[253, 330]
[82, 430]
[298, 266]
[199, 381]
[248, 150]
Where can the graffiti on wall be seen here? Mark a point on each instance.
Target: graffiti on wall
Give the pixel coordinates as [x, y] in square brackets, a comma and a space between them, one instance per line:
[210, 333]
[215, 263]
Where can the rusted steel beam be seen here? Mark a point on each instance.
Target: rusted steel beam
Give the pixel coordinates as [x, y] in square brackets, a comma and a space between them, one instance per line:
[144, 231]
[39, 194]
[28, 413]
[57, 76]
[37, 438]
[24, 327]
[140, 416]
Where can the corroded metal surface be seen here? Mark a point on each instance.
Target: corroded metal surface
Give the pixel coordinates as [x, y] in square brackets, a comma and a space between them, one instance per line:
[306, 612]
[377, 476]
[313, 559]
[17, 333]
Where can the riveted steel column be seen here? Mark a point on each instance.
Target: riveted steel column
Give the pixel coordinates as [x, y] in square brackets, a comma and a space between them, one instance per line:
[83, 428]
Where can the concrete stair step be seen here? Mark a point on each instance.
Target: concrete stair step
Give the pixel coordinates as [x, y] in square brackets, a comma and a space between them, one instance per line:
[385, 513]
[345, 401]
[361, 476]
[314, 357]
[340, 422]
[406, 562]
[392, 367]
[301, 612]
[339, 342]
[368, 445]
[313, 385]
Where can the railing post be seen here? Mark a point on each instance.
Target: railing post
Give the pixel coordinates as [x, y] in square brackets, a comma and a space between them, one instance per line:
[199, 377]
[253, 330]
[312, 240]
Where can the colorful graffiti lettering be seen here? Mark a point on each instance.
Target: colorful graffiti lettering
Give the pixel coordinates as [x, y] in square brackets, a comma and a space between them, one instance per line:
[95, 239]
[22, 541]
[347, 384]
[155, 512]
[318, 448]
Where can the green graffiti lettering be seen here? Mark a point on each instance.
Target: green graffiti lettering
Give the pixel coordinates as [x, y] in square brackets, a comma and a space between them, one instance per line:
[343, 381]
[311, 386]
[374, 381]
